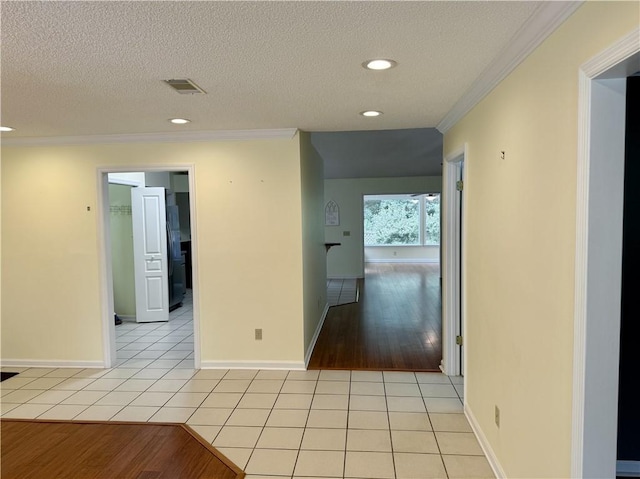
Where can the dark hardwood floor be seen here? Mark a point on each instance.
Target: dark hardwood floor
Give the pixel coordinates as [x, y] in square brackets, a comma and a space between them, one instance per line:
[58, 449]
[396, 325]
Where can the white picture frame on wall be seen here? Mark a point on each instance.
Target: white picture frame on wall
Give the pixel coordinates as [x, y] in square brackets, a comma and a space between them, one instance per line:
[332, 214]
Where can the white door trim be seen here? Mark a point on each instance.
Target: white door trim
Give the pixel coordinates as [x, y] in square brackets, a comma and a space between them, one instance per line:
[195, 283]
[106, 273]
[598, 262]
[451, 277]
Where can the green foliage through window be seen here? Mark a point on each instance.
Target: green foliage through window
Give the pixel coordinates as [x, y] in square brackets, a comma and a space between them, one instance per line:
[432, 220]
[398, 220]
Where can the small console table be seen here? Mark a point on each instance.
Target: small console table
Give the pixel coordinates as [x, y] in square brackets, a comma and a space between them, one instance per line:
[329, 245]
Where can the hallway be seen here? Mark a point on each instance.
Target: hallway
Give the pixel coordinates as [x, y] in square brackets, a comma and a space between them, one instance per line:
[396, 324]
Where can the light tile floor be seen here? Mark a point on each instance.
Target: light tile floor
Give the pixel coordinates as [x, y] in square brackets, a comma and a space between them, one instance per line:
[158, 345]
[295, 424]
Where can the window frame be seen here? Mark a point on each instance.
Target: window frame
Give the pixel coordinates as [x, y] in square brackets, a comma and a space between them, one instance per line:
[422, 218]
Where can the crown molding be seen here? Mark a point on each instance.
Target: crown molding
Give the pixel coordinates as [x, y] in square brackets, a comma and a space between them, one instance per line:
[544, 20]
[175, 137]
[602, 65]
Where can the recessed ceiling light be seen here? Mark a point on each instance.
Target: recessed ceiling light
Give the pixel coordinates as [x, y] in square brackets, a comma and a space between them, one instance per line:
[179, 121]
[371, 113]
[379, 64]
[6, 128]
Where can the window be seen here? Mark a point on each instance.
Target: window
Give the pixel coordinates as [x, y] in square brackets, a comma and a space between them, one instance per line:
[397, 220]
[431, 219]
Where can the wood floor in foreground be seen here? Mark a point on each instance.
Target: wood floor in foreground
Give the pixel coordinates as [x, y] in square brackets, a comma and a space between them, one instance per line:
[396, 325]
[57, 449]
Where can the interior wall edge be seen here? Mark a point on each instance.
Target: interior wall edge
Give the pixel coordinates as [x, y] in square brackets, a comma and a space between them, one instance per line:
[314, 339]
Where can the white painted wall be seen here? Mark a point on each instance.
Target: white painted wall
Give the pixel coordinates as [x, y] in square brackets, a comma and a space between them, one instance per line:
[158, 178]
[402, 254]
[127, 178]
[180, 183]
[314, 265]
[347, 260]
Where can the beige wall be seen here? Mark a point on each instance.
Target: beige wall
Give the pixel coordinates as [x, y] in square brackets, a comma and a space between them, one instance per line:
[347, 260]
[124, 295]
[520, 243]
[249, 249]
[313, 249]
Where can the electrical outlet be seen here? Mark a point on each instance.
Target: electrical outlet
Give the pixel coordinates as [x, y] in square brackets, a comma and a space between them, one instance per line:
[497, 416]
[258, 334]
[346, 233]
[395, 253]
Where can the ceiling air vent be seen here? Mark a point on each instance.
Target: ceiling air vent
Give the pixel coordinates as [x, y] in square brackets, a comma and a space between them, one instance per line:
[184, 86]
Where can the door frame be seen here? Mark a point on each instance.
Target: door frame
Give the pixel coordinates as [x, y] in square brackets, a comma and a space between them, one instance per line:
[105, 258]
[598, 261]
[453, 304]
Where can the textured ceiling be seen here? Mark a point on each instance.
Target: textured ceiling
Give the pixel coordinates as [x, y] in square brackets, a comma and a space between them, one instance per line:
[93, 68]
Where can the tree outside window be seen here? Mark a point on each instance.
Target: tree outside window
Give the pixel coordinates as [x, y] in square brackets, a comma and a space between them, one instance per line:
[432, 219]
[396, 220]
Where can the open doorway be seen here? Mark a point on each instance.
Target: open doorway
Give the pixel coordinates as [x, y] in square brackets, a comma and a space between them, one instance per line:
[599, 227]
[164, 339]
[401, 244]
[396, 323]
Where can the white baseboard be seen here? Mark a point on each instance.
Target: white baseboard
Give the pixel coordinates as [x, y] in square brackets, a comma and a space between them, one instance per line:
[312, 344]
[43, 363]
[403, 260]
[345, 277]
[127, 317]
[628, 468]
[288, 365]
[484, 444]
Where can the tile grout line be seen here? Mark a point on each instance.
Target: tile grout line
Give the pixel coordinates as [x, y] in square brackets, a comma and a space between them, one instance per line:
[304, 429]
[386, 383]
[266, 420]
[45, 391]
[346, 432]
[435, 437]
[386, 402]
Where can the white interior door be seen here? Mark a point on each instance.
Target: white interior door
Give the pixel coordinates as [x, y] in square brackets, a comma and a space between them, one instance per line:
[150, 254]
